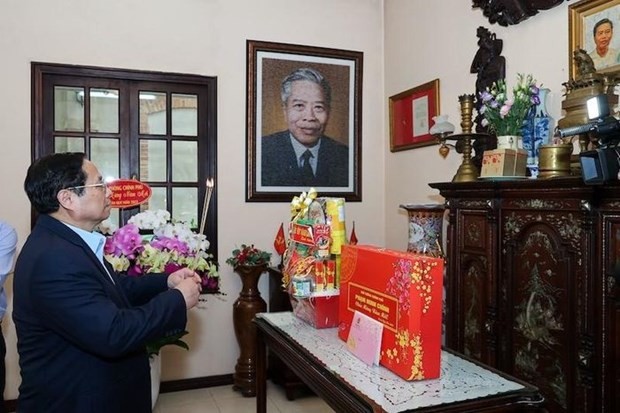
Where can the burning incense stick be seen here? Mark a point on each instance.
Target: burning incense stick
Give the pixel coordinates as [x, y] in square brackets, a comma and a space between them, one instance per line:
[205, 206]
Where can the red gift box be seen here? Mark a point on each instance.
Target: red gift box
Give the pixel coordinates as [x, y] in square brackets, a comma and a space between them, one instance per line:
[404, 292]
[318, 310]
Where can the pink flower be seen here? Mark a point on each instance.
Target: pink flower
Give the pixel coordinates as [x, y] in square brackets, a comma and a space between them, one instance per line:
[172, 247]
[171, 244]
[125, 241]
[504, 110]
[171, 267]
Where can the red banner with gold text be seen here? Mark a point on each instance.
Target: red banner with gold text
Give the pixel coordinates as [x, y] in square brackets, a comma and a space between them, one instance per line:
[127, 193]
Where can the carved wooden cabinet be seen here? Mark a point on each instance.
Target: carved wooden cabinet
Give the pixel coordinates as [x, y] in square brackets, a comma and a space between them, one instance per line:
[532, 285]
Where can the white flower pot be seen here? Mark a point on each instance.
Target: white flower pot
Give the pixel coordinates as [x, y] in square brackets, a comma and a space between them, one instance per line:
[155, 361]
[509, 142]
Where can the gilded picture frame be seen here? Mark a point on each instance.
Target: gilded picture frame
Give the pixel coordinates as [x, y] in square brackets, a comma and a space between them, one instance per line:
[582, 18]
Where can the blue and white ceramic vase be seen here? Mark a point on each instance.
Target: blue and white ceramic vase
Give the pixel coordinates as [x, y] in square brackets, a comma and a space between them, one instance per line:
[537, 130]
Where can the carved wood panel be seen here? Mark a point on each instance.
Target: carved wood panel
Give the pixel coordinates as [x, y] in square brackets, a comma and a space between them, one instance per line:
[478, 311]
[509, 12]
[611, 367]
[533, 282]
[474, 232]
[473, 306]
[545, 274]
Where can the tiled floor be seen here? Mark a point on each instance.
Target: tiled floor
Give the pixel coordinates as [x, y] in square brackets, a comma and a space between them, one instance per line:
[224, 400]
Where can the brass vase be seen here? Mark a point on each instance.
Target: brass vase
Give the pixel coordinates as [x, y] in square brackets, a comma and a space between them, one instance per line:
[554, 160]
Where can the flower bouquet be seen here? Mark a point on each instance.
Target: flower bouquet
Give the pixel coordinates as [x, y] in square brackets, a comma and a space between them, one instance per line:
[504, 115]
[169, 247]
[248, 255]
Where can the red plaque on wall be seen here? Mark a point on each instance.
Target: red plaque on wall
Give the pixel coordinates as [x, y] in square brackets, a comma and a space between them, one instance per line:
[127, 193]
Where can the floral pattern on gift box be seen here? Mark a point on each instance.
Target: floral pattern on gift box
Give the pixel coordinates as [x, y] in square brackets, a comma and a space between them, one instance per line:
[399, 283]
[423, 281]
[406, 273]
[417, 369]
[405, 345]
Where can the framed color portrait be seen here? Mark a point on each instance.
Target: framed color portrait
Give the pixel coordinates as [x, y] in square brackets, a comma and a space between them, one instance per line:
[411, 113]
[304, 119]
[593, 27]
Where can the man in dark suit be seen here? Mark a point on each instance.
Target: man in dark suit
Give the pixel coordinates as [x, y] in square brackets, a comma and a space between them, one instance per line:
[303, 155]
[82, 328]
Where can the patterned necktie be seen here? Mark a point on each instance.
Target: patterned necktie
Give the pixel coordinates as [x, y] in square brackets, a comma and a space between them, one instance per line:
[307, 175]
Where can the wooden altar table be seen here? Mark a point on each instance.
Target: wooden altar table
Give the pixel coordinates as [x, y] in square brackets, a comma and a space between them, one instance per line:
[321, 360]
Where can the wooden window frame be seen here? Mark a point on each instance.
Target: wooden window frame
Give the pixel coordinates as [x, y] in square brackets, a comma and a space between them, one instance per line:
[42, 131]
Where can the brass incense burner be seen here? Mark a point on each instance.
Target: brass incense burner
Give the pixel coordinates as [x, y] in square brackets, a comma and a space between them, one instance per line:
[574, 104]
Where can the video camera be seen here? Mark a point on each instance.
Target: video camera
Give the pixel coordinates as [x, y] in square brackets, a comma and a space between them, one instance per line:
[602, 164]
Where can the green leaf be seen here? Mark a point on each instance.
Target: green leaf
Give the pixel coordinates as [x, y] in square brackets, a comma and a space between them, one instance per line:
[153, 347]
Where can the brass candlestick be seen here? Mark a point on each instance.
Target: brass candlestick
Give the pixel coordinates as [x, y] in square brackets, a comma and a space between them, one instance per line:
[467, 107]
[468, 171]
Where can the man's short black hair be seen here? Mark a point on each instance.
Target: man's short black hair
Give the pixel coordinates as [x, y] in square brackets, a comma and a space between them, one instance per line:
[601, 22]
[50, 174]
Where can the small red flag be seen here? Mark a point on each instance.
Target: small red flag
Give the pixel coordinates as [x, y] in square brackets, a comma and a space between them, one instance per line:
[353, 238]
[280, 242]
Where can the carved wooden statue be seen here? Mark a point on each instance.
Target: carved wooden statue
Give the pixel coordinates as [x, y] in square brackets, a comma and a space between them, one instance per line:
[489, 65]
[507, 12]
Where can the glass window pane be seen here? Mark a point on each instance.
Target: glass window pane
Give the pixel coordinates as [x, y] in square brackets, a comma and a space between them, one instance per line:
[104, 110]
[68, 108]
[156, 201]
[153, 113]
[105, 154]
[184, 115]
[68, 144]
[152, 160]
[115, 217]
[184, 161]
[185, 205]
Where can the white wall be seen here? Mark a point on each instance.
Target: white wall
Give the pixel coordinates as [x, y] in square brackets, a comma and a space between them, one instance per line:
[205, 37]
[425, 40]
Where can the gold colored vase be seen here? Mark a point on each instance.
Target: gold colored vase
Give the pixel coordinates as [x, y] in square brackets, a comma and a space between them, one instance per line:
[554, 160]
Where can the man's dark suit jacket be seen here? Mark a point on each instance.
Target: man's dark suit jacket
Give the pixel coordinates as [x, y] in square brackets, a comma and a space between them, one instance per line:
[279, 166]
[80, 338]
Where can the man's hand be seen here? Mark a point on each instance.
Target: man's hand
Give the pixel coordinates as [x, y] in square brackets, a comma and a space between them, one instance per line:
[179, 275]
[190, 290]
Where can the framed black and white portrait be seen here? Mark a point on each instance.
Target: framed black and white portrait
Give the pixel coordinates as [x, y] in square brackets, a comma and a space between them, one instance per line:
[303, 121]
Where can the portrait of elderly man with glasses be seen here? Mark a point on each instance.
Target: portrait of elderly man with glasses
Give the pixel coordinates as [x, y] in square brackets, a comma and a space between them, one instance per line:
[81, 328]
[302, 155]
